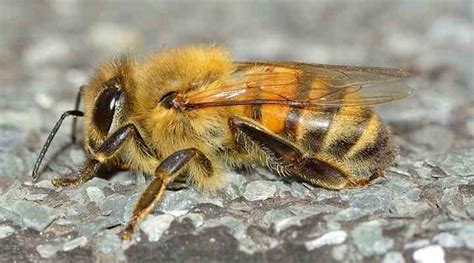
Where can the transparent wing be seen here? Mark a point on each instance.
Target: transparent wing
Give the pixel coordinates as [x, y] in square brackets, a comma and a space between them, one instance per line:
[303, 85]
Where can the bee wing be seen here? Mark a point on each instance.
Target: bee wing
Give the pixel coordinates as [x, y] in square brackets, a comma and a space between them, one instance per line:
[303, 85]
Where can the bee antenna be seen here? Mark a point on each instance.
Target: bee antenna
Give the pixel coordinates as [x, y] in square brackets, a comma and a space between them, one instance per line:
[74, 121]
[75, 113]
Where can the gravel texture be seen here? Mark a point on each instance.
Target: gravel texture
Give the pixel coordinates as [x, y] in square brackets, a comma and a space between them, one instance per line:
[422, 211]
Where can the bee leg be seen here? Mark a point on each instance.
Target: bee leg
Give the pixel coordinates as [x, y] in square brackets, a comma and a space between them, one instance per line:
[165, 173]
[105, 152]
[286, 159]
[85, 173]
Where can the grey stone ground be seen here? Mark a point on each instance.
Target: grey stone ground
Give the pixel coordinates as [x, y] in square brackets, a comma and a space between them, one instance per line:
[422, 211]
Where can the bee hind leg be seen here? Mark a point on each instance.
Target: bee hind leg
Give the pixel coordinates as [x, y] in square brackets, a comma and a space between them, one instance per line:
[284, 158]
[106, 151]
[164, 175]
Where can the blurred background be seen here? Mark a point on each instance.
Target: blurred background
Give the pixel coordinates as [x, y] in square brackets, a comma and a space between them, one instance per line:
[48, 48]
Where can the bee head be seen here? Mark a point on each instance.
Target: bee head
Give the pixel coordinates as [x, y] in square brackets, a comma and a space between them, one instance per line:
[106, 101]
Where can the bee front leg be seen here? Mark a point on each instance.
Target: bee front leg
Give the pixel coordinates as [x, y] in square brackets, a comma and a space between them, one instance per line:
[165, 174]
[85, 173]
[287, 159]
[106, 151]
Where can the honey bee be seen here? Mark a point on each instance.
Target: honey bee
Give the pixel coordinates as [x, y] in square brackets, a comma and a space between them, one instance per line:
[188, 114]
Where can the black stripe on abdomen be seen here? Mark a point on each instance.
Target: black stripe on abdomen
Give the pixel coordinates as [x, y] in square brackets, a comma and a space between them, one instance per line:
[291, 123]
[256, 111]
[344, 142]
[294, 114]
[375, 148]
[317, 126]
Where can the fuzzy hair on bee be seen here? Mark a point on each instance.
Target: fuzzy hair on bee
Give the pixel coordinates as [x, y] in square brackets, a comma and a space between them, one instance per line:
[189, 114]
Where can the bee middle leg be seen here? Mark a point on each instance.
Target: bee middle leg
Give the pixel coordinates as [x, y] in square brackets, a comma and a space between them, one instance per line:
[164, 175]
[287, 159]
[106, 151]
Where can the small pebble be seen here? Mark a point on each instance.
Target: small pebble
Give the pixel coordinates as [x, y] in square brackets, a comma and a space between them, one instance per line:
[416, 244]
[116, 203]
[310, 209]
[470, 209]
[275, 216]
[369, 239]
[331, 238]
[78, 242]
[240, 206]
[177, 213]
[393, 257]
[429, 254]
[197, 219]
[339, 252]
[299, 190]
[6, 231]
[374, 198]
[283, 189]
[95, 195]
[406, 208]
[259, 190]
[350, 214]
[451, 225]
[466, 233]
[287, 222]
[78, 195]
[47, 251]
[36, 197]
[333, 225]
[97, 182]
[456, 212]
[236, 180]
[235, 225]
[45, 184]
[110, 244]
[232, 192]
[29, 214]
[155, 226]
[448, 240]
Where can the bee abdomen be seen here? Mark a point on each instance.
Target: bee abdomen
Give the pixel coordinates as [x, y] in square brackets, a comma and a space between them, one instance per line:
[354, 136]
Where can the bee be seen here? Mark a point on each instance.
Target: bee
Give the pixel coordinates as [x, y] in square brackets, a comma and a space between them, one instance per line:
[188, 114]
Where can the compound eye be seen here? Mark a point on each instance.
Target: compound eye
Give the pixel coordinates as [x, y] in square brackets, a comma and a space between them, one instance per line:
[104, 108]
[167, 99]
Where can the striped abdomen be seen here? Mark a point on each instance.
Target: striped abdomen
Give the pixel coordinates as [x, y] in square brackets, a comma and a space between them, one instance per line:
[351, 137]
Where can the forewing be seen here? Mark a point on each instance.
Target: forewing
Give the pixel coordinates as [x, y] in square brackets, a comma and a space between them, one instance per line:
[303, 85]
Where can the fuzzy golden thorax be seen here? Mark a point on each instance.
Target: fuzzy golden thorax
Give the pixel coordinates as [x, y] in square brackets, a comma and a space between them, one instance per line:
[183, 71]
